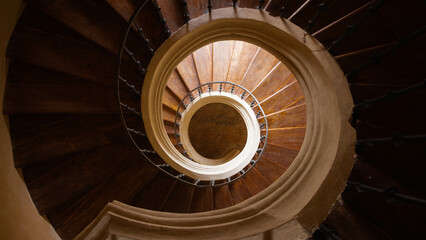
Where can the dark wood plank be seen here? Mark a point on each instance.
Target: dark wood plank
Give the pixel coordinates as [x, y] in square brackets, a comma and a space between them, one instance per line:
[202, 200]
[173, 13]
[69, 221]
[279, 155]
[104, 28]
[222, 197]
[269, 169]
[196, 8]
[222, 55]
[176, 84]
[76, 134]
[83, 172]
[170, 99]
[255, 181]
[179, 200]
[239, 191]
[155, 193]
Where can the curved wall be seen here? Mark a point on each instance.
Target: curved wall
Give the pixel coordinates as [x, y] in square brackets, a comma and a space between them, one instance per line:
[19, 218]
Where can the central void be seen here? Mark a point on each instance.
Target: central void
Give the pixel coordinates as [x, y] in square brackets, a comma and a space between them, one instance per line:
[217, 131]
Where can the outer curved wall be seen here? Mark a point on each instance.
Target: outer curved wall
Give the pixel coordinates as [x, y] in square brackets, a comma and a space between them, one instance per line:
[19, 218]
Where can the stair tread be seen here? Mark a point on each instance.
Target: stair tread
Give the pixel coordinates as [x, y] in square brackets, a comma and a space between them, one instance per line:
[278, 78]
[289, 96]
[203, 58]
[173, 14]
[255, 181]
[222, 197]
[291, 138]
[294, 116]
[188, 72]
[269, 169]
[155, 193]
[82, 132]
[222, 55]
[279, 155]
[121, 187]
[179, 200]
[176, 84]
[202, 200]
[239, 191]
[78, 175]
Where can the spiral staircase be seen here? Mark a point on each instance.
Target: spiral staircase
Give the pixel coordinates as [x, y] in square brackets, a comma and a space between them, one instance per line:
[68, 138]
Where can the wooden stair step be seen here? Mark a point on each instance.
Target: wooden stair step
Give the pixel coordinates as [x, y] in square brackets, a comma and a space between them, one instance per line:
[279, 155]
[77, 58]
[154, 195]
[202, 200]
[291, 138]
[179, 200]
[173, 13]
[221, 4]
[344, 219]
[275, 6]
[242, 57]
[289, 96]
[262, 64]
[294, 116]
[88, 19]
[203, 59]
[196, 8]
[239, 191]
[222, 55]
[250, 3]
[177, 86]
[170, 100]
[278, 78]
[59, 95]
[188, 72]
[121, 187]
[80, 133]
[255, 181]
[79, 174]
[222, 197]
[269, 169]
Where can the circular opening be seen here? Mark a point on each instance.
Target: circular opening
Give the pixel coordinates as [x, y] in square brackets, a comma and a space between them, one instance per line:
[217, 131]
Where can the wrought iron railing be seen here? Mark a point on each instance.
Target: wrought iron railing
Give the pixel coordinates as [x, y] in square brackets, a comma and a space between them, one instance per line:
[234, 89]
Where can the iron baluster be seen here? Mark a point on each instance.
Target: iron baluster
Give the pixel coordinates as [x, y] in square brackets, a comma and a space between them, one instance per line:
[232, 88]
[350, 29]
[284, 9]
[186, 16]
[200, 92]
[261, 3]
[209, 5]
[138, 63]
[252, 103]
[390, 194]
[234, 3]
[210, 88]
[243, 95]
[375, 58]
[131, 86]
[145, 40]
[163, 21]
[397, 139]
[321, 8]
[136, 132]
[148, 151]
[220, 87]
[390, 95]
[131, 109]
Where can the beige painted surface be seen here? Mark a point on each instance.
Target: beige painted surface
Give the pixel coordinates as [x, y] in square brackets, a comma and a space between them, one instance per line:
[19, 218]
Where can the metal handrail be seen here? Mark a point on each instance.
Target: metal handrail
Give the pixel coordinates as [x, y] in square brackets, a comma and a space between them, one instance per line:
[222, 85]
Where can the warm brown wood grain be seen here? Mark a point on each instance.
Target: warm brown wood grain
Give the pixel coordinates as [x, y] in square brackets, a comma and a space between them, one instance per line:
[170, 99]
[276, 79]
[155, 193]
[222, 197]
[173, 13]
[262, 64]
[269, 169]
[255, 181]
[179, 200]
[72, 135]
[79, 174]
[196, 8]
[279, 155]
[169, 115]
[203, 59]
[294, 116]
[176, 84]
[290, 95]
[188, 72]
[222, 54]
[117, 188]
[202, 200]
[241, 59]
[291, 138]
[239, 191]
